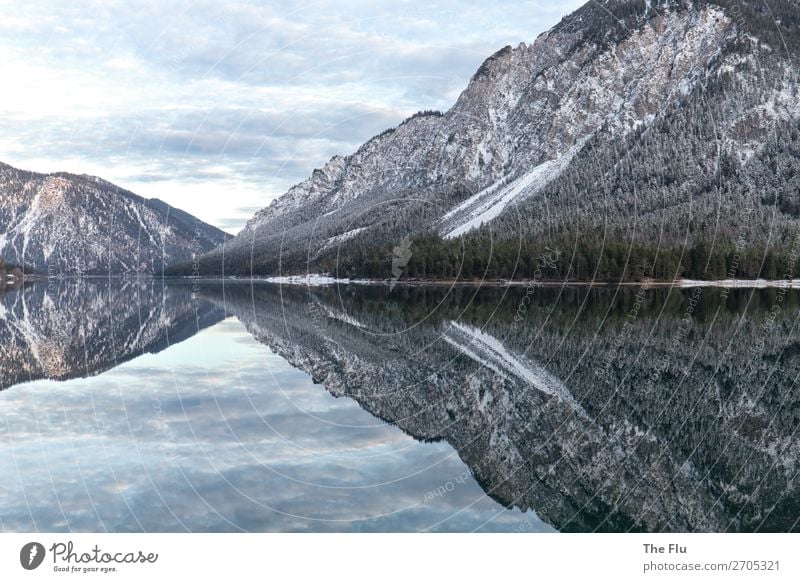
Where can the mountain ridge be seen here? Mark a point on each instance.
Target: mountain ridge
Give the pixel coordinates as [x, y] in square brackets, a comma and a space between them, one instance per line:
[69, 224]
[535, 114]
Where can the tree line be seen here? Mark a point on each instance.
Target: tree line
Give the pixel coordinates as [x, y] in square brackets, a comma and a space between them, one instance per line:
[479, 257]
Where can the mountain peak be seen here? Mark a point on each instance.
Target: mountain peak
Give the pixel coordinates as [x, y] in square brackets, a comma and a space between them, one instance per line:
[603, 22]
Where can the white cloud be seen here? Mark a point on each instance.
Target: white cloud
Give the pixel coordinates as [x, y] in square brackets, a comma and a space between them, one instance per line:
[220, 102]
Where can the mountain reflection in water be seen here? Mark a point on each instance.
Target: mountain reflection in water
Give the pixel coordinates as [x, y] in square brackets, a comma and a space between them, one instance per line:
[586, 409]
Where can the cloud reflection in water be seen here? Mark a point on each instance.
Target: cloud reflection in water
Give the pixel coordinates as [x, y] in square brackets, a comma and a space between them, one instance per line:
[219, 434]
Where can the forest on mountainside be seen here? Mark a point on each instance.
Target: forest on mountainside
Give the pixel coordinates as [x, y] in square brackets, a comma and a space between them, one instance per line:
[480, 257]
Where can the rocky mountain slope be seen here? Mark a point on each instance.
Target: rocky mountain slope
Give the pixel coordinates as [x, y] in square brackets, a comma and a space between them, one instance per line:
[656, 121]
[608, 410]
[67, 224]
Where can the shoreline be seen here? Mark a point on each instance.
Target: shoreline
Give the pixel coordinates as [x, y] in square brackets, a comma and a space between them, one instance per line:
[323, 281]
[314, 280]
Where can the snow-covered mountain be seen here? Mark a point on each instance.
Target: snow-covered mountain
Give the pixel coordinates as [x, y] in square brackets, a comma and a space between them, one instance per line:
[68, 224]
[658, 111]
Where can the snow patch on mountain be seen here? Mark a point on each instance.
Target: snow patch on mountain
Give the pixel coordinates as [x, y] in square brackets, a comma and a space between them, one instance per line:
[340, 238]
[490, 202]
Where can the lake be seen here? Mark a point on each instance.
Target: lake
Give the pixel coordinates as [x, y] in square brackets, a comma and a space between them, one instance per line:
[145, 405]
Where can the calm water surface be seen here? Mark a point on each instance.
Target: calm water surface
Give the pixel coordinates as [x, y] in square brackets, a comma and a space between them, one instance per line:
[131, 406]
[212, 432]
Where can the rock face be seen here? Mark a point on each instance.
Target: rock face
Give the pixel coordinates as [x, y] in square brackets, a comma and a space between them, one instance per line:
[67, 224]
[673, 92]
[81, 327]
[607, 410]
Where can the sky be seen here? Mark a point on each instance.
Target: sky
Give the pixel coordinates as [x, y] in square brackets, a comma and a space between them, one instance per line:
[219, 107]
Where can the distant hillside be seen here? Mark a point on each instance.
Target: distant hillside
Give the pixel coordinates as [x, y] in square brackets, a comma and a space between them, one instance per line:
[67, 224]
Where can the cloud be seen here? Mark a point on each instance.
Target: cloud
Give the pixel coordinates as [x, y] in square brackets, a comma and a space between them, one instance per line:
[242, 97]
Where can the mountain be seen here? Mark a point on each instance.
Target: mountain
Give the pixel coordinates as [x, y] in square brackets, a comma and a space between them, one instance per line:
[607, 410]
[76, 328]
[66, 224]
[667, 123]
